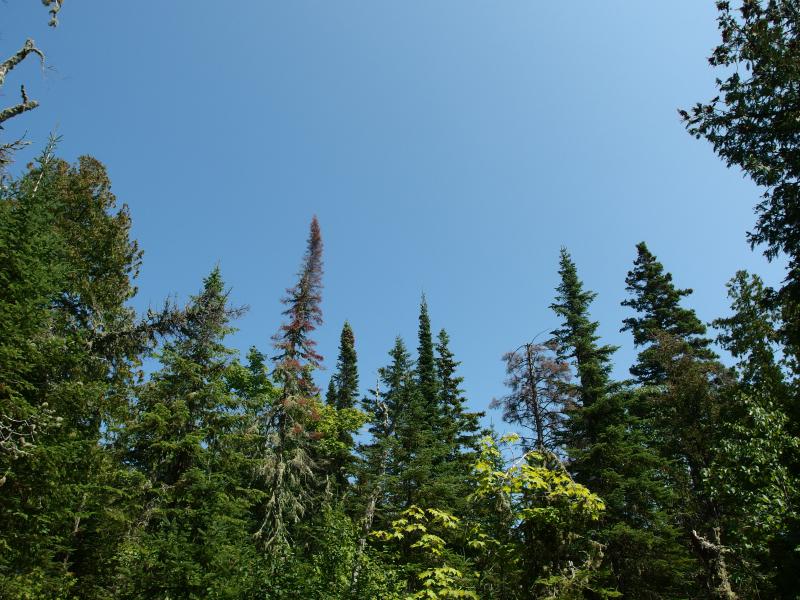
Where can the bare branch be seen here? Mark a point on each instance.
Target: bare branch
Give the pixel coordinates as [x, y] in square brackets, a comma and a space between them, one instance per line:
[55, 7]
[18, 109]
[7, 65]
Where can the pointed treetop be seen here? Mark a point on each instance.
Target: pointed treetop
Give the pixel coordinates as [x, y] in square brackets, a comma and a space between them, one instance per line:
[656, 301]
[347, 365]
[426, 364]
[297, 354]
[577, 337]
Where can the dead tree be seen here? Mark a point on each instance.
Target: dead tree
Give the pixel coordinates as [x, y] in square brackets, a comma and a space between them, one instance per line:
[537, 378]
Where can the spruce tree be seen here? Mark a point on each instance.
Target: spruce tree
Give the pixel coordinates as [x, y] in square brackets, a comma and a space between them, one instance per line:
[192, 537]
[426, 363]
[608, 453]
[380, 468]
[577, 336]
[66, 364]
[460, 431]
[682, 405]
[341, 395]
[656, 301]
[288, 468]
[461, 427]
[346, 377]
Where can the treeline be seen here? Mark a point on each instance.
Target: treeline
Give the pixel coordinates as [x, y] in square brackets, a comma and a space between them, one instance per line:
[219, 476]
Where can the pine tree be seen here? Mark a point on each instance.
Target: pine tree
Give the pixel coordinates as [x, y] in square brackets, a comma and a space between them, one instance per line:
[191, 538]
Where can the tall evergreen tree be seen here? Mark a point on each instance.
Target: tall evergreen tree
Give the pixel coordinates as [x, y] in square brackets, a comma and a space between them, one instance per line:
[656, 301]
[342, 394]
[461, 427]
[66, 364]
[381, 470]
[460, 432]
[345, 379]
[682, 405]
[192, 538]
[426, 362]
[608, 453]
[577, 336]
[288, 468]
[750, 124]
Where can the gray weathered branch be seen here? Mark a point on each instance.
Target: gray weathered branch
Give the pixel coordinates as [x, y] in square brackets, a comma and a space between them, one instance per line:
[18, 109]
[29, 47]
[713, 554]
[55, 7]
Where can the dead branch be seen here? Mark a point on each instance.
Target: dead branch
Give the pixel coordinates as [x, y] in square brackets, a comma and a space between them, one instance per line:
[55, 7]
[18, 109]
[29, 47]
[713, 554]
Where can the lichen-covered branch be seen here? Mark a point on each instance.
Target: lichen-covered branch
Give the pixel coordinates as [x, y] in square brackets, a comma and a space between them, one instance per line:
[29, 47]
[713, 554]
[18, 109]
[55, 7]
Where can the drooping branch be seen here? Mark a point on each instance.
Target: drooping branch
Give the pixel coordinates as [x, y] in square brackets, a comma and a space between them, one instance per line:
[55, 7]
[29, 47]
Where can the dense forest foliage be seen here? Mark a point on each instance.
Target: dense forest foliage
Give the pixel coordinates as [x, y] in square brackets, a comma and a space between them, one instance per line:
[214, 475]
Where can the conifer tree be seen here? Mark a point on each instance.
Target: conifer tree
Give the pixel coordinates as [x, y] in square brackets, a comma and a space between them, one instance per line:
[192, 536]
[749, 125]
[577, 337]
[460, 431]
[66, 363]
[681, 405]
[426, 363]
[608, 453]
[341, 395]
[288, 467]
[656, 301]
[380, 470]
[346, 377]
[461, 427]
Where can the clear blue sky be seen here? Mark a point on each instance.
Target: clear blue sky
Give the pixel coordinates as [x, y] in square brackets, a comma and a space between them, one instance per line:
[449, 147]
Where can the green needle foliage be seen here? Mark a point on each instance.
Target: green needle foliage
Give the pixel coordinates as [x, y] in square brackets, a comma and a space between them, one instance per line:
[609, 453]
[191, 539]
[751, 124]
[208, 476]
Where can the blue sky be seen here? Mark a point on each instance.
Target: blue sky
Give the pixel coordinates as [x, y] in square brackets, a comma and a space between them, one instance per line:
[449, 147]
